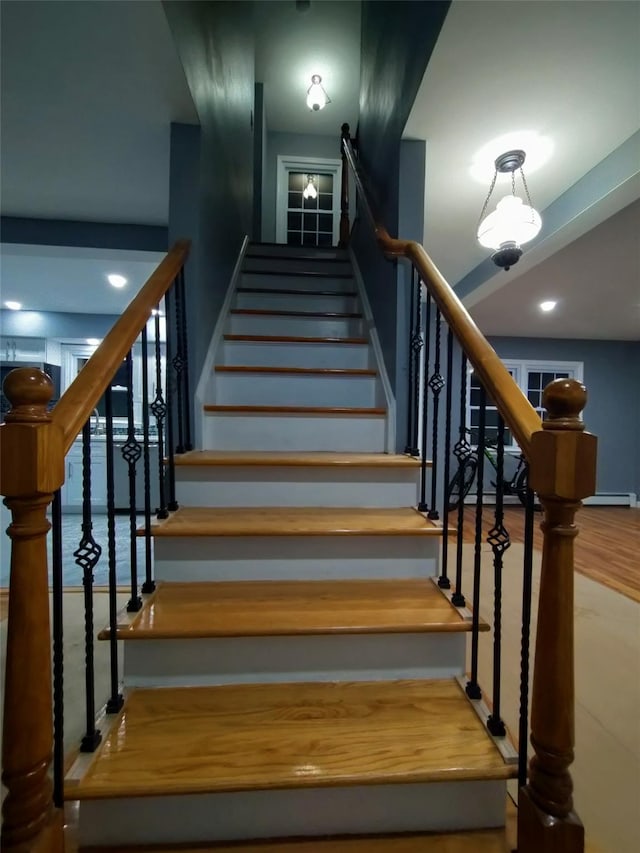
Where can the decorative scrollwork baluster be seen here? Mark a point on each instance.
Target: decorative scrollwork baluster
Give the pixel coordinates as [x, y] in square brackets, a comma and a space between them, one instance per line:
[436, 383]
[423, 506]
[159, 411]
[473, 688]
[131, 453]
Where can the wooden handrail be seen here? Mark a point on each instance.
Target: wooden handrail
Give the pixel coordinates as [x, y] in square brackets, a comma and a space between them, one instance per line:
[82, 396]
[518, 413]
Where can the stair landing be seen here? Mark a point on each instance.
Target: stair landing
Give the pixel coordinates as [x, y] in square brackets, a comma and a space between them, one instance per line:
[285, 736]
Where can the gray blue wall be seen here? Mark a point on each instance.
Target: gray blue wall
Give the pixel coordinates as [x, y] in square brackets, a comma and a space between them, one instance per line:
[54, 324]
[612, 378]
[211, 192]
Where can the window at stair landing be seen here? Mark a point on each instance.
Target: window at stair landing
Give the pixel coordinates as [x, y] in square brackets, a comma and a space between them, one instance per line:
[310, 220]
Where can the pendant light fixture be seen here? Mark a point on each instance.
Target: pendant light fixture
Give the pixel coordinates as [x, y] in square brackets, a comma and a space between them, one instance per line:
[310, 190]
[513, 222]
[317, 98]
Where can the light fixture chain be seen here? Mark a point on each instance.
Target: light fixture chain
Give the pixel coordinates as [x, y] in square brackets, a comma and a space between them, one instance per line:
[486, 201]
[513, 182]
[526, 189]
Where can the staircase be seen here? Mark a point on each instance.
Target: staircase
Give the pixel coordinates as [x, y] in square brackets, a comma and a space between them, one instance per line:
[295, 671]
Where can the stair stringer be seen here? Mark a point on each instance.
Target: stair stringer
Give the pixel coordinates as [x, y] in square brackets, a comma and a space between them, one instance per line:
[205, 382]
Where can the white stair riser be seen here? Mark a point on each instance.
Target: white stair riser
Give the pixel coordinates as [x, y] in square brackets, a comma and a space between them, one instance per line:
[272, 389]
[297, 302]
[273, 354]
[287, 486]
[283, 250]
[236, 558]
[292, 264]
[251, 660]
[340, 433]
[279, 324]
[438, 806]
[297, 282]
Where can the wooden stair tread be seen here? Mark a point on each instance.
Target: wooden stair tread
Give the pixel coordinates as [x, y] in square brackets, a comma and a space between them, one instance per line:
[284, 291]
[295, 371]
[297, 410]
[241, 737]
[301, 273]
[295, 339]
[286, 608]
[295, 521]
[268, 312]
[278, 458]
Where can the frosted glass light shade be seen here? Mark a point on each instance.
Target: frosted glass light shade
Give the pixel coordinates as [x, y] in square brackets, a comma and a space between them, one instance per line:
[316, 95]
[511, 222]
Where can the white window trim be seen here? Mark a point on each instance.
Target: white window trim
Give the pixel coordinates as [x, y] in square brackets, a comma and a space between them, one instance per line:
[286, 164]
[521, 369]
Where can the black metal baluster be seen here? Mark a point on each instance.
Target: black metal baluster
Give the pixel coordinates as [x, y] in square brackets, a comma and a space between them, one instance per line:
[443, 580]
[527, 586]
[436, 383]
[185, 355]
[171, 472]
[410, 446]
[473, 688]
[499, 540]
[58, 653]
[87, 555]
[131, 452]
[159, 410]
[116, 700]
[178, 366]
[423, 506]
[148, 585]
[462, 451]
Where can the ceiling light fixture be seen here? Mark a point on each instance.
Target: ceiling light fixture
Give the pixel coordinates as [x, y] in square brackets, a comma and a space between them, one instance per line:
[512, 223]
[116, 280]
[310, 190]
[13, 306]
[549, 305]
[94, 342]
[317, 98]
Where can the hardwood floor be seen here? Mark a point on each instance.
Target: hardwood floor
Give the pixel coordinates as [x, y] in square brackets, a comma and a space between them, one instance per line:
[607, 548]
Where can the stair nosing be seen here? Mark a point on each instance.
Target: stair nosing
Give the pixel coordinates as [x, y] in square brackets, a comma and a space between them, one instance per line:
[296, 339]
[268, 312]
[300, 273]
[295, 371]
[310, 459]
[297, 410]
[293, 292]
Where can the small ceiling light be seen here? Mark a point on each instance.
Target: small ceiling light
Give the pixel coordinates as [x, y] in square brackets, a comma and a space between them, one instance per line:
[310, 190]
[116, 280]
[13, 306]
[317, 98]
[94, 342]
[155, 312]
[549, 305]
[512, 223]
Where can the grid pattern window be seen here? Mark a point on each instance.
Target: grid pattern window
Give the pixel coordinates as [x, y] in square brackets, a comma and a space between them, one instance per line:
[532, 377]
[310, 218]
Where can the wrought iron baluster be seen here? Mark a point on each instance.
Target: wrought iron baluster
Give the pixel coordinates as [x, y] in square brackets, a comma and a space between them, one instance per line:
[436, 383]
[499, 540]
[58, 652]
[185, 354]
[462, 451]
[159, 411]
[87, 555]
[473, 688]
[173, 503]
[527, 588]
[131, 452]
[415, 343]
[443, 580]
[116, 700]
[178, 366]
[423, 506]
[148, 585]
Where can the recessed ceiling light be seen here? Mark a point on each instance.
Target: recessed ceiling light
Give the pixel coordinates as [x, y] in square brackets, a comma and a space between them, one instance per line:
[13, 306]
[116, 280]
[94, 342]
[549, 305]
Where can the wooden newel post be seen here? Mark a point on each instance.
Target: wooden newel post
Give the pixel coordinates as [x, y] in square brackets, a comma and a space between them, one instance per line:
[32, 469]
[562, 466]
[344, 191]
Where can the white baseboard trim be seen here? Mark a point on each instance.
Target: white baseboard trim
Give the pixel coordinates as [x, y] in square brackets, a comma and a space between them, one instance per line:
[390, 401]
[207, 370]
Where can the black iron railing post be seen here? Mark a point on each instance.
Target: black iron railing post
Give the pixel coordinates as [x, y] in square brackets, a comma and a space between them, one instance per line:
[58, 651]
[131, 452]
[185, 356]
[443, 580]
[461, 451]
[473, 688]
[87, 555]
[423, 506]
[436, 383]
[159, 411]
[116, 700]
[172, 504]
[527, 594]
[148, 585]
[415, 341]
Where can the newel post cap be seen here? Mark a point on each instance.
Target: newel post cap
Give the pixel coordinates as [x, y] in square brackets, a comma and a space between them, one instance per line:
[563, 456]
[31, 446]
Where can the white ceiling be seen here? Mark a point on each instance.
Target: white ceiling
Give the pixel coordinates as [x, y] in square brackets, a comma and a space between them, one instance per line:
[568, 70]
